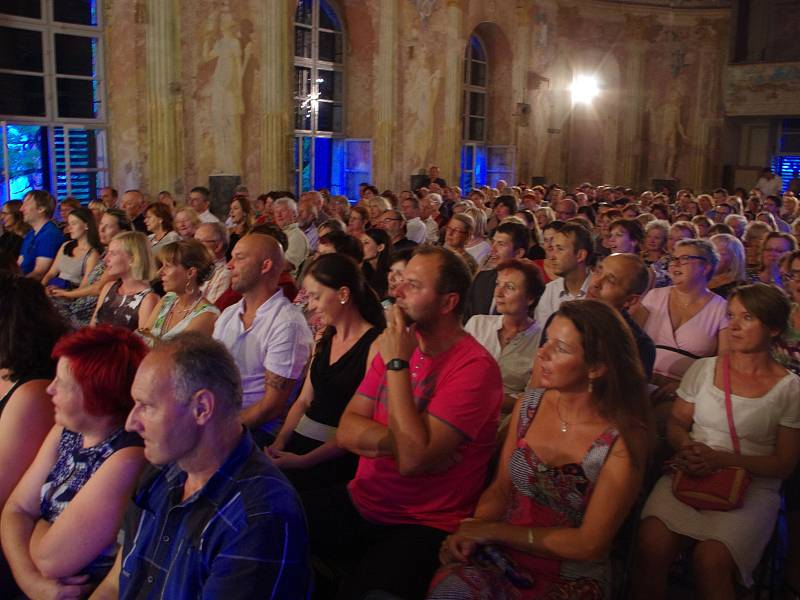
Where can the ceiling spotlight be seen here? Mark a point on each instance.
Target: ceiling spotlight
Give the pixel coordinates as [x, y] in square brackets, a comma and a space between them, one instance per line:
[584, 88]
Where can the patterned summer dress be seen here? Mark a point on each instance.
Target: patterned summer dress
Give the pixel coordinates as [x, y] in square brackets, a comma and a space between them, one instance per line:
[74, 466]
[202, 307]
[542, 496]
[121, 310]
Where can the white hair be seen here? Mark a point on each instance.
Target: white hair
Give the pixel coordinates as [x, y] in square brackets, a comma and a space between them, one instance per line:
[287, 202]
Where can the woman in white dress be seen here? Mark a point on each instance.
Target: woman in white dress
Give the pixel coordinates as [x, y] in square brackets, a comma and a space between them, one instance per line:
[766, 413]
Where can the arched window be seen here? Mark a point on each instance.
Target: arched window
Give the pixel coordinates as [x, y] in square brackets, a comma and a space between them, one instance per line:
[476, 78]
[322, 157]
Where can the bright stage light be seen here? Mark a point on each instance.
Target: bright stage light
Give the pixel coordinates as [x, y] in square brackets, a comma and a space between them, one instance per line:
[584, 88]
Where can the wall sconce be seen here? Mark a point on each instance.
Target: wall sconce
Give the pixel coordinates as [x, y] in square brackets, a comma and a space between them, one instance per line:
[584, 89]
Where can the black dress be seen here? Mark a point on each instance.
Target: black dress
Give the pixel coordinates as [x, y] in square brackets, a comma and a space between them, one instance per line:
[334, 385]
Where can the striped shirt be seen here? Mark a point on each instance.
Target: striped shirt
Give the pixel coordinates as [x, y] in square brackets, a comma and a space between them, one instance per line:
[243, 535]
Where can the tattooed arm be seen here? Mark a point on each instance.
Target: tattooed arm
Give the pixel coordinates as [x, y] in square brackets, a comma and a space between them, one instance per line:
[273, 404]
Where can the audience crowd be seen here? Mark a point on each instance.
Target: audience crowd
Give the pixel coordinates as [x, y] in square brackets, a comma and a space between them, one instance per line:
[437, 393]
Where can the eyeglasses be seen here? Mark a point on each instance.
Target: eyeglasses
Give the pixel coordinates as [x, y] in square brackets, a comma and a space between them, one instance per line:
[684, 260]
[389, 220]
[454, 230]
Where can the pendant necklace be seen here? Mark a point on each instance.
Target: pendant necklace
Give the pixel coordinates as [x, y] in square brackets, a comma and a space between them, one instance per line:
[564, 425]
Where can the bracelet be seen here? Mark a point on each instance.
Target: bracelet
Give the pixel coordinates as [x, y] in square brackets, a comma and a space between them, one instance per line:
[530, 536]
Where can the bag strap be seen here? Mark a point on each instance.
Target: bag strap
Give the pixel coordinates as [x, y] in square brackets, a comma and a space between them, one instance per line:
[726, 377]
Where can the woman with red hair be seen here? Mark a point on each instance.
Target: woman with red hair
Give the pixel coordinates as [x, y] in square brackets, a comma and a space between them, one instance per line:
[60, 524]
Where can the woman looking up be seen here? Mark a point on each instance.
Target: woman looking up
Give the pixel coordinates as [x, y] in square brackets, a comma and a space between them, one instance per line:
[544, 527]
[726, 545]
[241, 217]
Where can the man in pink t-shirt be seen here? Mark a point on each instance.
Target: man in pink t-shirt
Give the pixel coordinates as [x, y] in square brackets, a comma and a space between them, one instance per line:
[424, 421]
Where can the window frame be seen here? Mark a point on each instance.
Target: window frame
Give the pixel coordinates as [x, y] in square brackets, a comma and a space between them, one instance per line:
[468, 87]
[48, 27]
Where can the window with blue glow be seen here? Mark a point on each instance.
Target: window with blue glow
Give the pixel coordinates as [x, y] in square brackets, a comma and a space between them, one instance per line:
[52, 110]
[785, 167]
[320, 156]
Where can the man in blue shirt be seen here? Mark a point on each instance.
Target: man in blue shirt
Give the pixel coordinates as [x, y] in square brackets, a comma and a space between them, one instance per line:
[40, 245]
[218, 519]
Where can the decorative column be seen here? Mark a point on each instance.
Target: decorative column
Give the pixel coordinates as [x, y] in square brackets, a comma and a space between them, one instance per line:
[633, 84]
[448, 153]
[276, 165]
[386, 96]
[164, 166]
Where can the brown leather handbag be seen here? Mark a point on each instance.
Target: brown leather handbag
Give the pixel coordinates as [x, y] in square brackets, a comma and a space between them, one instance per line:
[724, 489]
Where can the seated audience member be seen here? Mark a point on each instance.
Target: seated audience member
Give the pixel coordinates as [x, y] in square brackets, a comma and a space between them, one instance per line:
[703, 224]
[393, 223]
[397, 265]
[308, 216]
[29, 327]
[158, 220]
[477, 246]
[352, 317]
[186, 222]
[416, 230]
[678, 231]
[376, 206]
[40, 245]
[512, 336]
[738, 223]
[753, 239]
[214, 518]
[134, 204]
[65, 207]
[654, 247]
[429, 211]
[200, 201]
[97, 208]
[13, 228]
[620, 281]
[775, 245]
[126, 300]
[358, 221]
[377, 248]
[423, 421]
[185, 266]
[544, 527]
[509, 241]
[572, 257]
[625, 236]
[546, 264]
[286, 218]
[786, 348]
[214, 236]
[456, 234]
[730, 272]
[685, 320]
[59, 527]
[727, 544]
[78, 305]
[286, 282]
[242, 221]
[267, 336]
[77, 257]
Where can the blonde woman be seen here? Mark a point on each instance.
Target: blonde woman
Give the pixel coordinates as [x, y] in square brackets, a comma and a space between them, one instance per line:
[730, 272]
[459, 229]
[127, 298]
[754, 235]
[477, 246]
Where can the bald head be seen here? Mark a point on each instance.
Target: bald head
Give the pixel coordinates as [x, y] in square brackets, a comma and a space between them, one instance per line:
[256, 263]
[619, 280]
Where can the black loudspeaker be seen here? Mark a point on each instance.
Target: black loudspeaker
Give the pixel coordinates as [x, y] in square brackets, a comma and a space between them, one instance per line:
[539, 180]
[222, 187]
[671, 184]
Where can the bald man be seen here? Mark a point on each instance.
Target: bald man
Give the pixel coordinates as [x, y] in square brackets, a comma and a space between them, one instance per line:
[267, 335]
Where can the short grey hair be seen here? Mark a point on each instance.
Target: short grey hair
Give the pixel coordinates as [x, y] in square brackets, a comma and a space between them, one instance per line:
[705, 249]
[287, 202]
[219, 230]
[201, 362]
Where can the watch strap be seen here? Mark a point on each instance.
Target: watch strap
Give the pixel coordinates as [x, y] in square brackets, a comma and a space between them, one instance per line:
[397, 364]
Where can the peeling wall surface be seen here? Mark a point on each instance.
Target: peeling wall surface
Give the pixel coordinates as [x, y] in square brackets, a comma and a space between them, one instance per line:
[664, 88]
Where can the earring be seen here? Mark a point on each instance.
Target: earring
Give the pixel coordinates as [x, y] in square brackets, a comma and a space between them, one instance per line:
[343, 301]
[591, 385]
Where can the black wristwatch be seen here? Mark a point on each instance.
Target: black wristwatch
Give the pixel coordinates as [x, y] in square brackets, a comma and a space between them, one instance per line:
[397, 364]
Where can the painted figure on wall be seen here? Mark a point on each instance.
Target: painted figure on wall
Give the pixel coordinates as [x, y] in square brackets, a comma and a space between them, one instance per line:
[226, 97]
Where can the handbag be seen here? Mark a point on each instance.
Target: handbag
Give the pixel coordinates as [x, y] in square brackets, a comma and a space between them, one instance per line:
[725, 488]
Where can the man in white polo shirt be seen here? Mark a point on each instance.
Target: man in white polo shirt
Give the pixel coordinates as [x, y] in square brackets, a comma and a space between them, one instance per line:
[267, 335]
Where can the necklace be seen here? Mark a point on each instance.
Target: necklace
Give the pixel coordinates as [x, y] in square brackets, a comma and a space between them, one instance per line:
[564, 425]
[184, 312]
